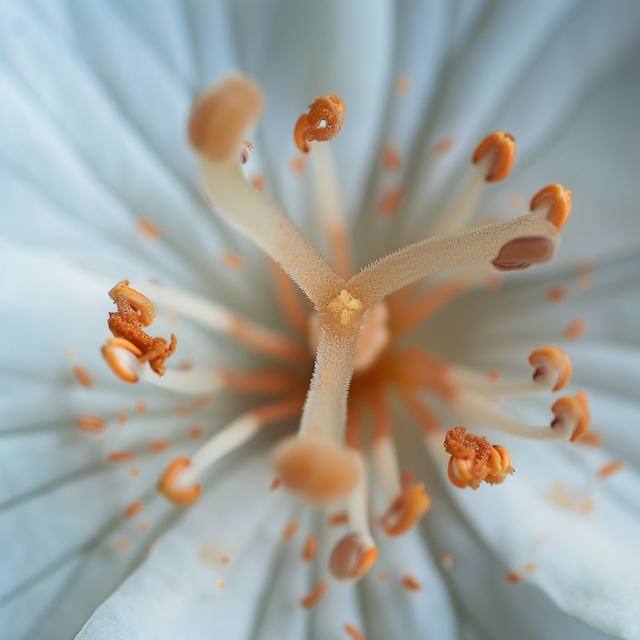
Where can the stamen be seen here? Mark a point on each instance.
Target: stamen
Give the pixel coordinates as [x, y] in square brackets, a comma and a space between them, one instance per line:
[571, 417]
[508, 245]
[552, 202]
[221, 320]
[473, 460]
[135, 311]
[553, 367]
[406, 510]
[238, 202]
[343, 306]
[355, 554]
[492, 161]
[170, 486]
[322, 123]
[115, 353]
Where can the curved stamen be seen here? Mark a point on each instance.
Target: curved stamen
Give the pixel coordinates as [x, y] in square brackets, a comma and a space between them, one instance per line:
[571, 417]
[552, 202]
[492, 161]
[508, 245]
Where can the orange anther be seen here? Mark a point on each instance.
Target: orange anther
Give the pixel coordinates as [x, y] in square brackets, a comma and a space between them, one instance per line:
[321, 124]
[500, 147]
[354, 634]
[91, 423]
[474, 460]
[352, 557]
[555, 201]
[310, 548]
[133, 509]
[135, 312]
[551, 362]
[167, 484]
[110, 354]
[220, 117]
[290, 531]
[410, 583]
[315, 596]
[572, 410]
[406, 510]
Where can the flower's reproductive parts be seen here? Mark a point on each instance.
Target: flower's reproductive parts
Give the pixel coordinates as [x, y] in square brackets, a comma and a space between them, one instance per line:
[351, 341]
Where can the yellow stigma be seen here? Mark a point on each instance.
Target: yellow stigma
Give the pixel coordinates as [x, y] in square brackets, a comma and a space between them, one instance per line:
[343, 306]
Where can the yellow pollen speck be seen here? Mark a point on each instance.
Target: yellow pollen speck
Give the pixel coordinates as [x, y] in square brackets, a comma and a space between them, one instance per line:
[343, 307]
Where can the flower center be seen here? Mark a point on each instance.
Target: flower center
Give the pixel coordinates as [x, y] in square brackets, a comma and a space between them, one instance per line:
[356, 329]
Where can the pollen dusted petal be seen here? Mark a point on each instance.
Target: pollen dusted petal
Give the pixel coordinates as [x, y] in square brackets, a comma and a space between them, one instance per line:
[168, 483]
[319, 470]
[221, 115]
[406, 510]
[321, 124]
[352, 557]
[500, 148]
[554, 202]
[521, 253]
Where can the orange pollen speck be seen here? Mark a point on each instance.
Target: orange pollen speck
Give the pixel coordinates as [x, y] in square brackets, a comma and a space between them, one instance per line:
[158, 446]
[121, 456]
[168, 486]
[406, 478]
[513, 578]
[143, 526]
[391, 159]
[297, 165]
[410, 583]
[321, 124]
[148, 229]
[258, 182]
[133, 509]
[403, 84]
[141, 407]
[135, 312]
[474, 460]
[91, 423]
[354, 634]
[220, 584]
[500, 147]
[590, 439]
[82, 376]
[122, 418]
[610, 469]
[134, 471]
[390, 202]
[275, 484]
[447, 558]
[494, 375]
[183, 411]
[232, 260]
[123, 544]
[195, 432]
[290, 531]
[576, 329]
[315, 596]
[444, 146]
[556, 294]
[310, 548]
[337, 519]
[224, 560]
[383, 577]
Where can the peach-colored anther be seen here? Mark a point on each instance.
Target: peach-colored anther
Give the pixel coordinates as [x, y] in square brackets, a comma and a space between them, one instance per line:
[315, 596]
[500, 147]
[319, 470]
[118, 366]
[343, 306]
[406, 510]
[552, 366]
[321, 124]
[572, 412]
[554, 202]
[474, 460]
[352, 557]
[135, 312]
[521, 253]
[221, 115]
[168, 485]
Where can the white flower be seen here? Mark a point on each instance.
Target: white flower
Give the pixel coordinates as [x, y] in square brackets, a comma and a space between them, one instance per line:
[98, 184]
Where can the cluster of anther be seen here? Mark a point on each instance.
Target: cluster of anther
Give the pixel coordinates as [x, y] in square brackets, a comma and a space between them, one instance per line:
[134, 313]
[474, 460]
[321, 124]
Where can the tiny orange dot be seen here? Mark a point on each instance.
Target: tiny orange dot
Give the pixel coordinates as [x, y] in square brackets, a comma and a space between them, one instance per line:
[92, 424]
[447, 558]
[123, 544]
[584, 281]
[444, 146]
[195, 432]
[290, 531]
[403, 84]
[590, 438]
[337, 519]
[143, 526]
[410, 583]
[258, 182]
[122, 418]
[495, 375]
[576, 329]
[406, 478]
[390, 202]
[610, 469]
[201, 402]
[133, 509]
[512, 578]
[310, 548]
[297, 165]
[224, 560]
[134, 471]
[391, 159]
[556, 294]
[148, 228]
[121, 456]
[232, 260]
[383, 577]
[141, 407]
[353, 633]
[82, 376]
[220, 584]
[275, 484]
[183, 411]
[158, 446]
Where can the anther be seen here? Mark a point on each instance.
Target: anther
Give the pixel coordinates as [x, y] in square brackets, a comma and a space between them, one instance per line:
[316, 468]
[169, 483]
[552, 367]
[406, 510]
[135, 312]
[521, 253]
[220, 117]
[554, 203]
[499, 148]
[115, 353]
[474, 460]
[572, 415]
[352, 557]
[321, 124]
[343, 306]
